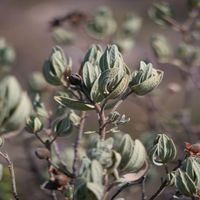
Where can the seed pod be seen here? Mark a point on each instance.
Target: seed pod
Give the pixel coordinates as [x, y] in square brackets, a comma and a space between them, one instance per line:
[159, 12]
[145, 79]
[163, 150]
[42, 153]
[33, 124]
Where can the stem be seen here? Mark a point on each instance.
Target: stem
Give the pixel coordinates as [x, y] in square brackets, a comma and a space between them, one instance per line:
[12, 174]
[54, 196]
[159, 191]
[77, 143]
[139, 181]
[166, 168]
[143, 188]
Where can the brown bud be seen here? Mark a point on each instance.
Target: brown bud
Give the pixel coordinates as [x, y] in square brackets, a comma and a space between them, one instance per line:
[75, 79]
[42, 153]
[192, 149]
[61, 180]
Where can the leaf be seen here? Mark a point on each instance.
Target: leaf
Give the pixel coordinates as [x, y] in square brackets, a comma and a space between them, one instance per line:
[73, 104]
[131, 177]
[95, 93]
[19, 115]
[96, 172]
[90, 73]
[120, 88]
[96, 189]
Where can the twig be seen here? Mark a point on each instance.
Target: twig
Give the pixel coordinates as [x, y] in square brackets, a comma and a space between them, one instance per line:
[77, 143]
[54, 196]
[12, 175]
[144, 197]
[139, 181]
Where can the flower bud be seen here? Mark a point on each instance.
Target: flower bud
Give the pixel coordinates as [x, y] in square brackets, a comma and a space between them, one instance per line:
[75, 79]
[33, 124]
[113, 116]
[193, 149]
[163, 150]
[160, 47]
[159, 12]
[42, 153]
[145, 79]
[55, 67]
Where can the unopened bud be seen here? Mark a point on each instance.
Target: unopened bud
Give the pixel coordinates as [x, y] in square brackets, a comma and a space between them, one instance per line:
[75, 79]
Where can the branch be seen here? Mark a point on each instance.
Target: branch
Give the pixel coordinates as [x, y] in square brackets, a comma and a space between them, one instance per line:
[77, 143]
[12, 174]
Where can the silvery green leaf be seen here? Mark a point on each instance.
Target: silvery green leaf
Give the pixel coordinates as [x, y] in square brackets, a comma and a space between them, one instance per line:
[62, 36]
[93, 55]
[160, 47]
[73, 103]
[109, 80]
[111, 58]
[55, 67]
[138, 157]
[95, 93]
[39, 106]
[133, 153]
[89, 74]
[101, 24]
[113, 116]
[124, 43]
[120, 88]
[184, 183]
[145, 79]
[37, 82]
[123, 120]
[33, 124]
[96, 172]
[159, 12]
[126, 150]
[163, 150]
[19, 115]
[9, 88]
[96, 189]
[1, 171]
[131, 24]
[62, 127]
[89, 132]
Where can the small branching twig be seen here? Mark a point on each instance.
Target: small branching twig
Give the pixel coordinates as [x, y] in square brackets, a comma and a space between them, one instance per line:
[12, 174]
[77, 143]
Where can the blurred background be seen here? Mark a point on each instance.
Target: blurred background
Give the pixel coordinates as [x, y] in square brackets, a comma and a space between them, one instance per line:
[26, 26]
